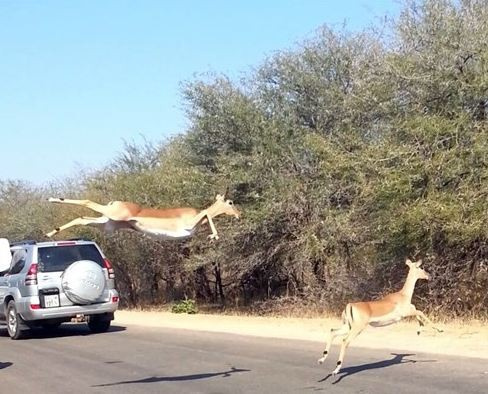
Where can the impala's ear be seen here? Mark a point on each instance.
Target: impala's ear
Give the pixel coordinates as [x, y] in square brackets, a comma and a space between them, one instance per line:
[408, 262]
[418, 263]
[220, 197]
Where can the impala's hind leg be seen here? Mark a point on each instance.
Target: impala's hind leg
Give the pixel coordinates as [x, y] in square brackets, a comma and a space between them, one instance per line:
[355, 331]
[333, 333]
[84, 203]
[82, 221]
[115, 210]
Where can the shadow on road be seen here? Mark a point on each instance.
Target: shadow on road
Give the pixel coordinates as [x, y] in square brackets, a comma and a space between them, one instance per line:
[65, 330]
[5, 365]
[180, 378]
[397, 359]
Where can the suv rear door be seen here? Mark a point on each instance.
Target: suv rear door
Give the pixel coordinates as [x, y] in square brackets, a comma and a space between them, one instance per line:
[53, 260]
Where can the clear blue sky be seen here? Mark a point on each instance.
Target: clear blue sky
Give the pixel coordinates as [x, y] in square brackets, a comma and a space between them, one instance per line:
[77, 77]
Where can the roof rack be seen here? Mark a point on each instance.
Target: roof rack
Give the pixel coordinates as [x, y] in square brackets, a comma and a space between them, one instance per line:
[79, 239]
[25, 242]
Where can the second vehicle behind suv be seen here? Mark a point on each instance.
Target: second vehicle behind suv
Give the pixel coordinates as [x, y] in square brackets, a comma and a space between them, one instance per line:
[49, 283]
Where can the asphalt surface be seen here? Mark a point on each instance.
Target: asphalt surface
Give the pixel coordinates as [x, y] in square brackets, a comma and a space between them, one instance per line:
[135, 359]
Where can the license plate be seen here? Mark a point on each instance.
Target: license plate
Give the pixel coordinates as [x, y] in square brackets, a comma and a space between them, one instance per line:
[51, 301]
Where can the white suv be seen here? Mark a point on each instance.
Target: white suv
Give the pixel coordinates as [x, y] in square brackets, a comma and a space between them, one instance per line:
[48, 283]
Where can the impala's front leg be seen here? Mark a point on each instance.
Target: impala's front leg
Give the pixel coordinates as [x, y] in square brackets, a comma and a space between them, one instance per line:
[214, 234]
[421, 317]
[421, 324]
[200, 218]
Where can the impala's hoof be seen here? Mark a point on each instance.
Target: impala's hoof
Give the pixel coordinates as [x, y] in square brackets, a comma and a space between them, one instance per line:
[338, 368]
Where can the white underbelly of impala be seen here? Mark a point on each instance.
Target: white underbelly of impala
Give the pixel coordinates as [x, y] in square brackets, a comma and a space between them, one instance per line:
[165, 234]
[386, 320]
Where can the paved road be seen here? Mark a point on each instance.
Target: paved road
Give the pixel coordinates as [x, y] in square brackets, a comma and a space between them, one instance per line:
[154, 360]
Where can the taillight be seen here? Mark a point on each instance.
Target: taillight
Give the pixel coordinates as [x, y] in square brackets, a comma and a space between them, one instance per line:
[35, 306]
[108, 265]
[31, 276]
[115, 299]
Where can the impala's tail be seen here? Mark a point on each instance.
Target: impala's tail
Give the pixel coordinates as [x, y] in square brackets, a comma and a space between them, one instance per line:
[348, 315]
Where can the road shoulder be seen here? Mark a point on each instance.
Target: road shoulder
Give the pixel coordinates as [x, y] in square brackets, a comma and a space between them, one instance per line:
[468, 340]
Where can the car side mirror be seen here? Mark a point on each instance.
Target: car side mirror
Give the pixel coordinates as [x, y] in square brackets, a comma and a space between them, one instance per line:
[5, 255]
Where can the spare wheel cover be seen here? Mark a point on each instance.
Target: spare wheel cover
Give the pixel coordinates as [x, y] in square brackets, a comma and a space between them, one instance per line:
[83, 281]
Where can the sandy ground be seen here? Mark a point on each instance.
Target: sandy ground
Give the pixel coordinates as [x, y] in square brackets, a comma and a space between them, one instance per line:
[470, 340]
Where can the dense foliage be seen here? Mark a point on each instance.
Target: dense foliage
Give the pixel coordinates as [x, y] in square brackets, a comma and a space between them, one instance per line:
[346, 155]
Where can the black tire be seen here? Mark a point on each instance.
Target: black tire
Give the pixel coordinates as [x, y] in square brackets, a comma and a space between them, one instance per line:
[14, 322]
[97, 325]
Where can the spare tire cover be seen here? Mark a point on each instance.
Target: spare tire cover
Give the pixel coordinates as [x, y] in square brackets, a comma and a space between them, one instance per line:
[83, 282]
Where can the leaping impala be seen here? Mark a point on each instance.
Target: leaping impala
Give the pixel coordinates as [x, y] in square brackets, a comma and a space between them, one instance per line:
[176, 223]
[388, 310]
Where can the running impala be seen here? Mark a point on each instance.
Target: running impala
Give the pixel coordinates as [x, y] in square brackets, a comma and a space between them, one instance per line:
[176, 223]
[388, 310]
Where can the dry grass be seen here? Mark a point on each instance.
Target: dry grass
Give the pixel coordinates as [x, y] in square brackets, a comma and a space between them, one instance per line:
[296, 308]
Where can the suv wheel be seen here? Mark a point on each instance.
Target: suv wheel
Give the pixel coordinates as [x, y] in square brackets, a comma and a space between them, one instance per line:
[13, 322]
[97, 325]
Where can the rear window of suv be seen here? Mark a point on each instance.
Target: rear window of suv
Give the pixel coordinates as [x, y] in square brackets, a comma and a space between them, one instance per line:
[58, 258]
